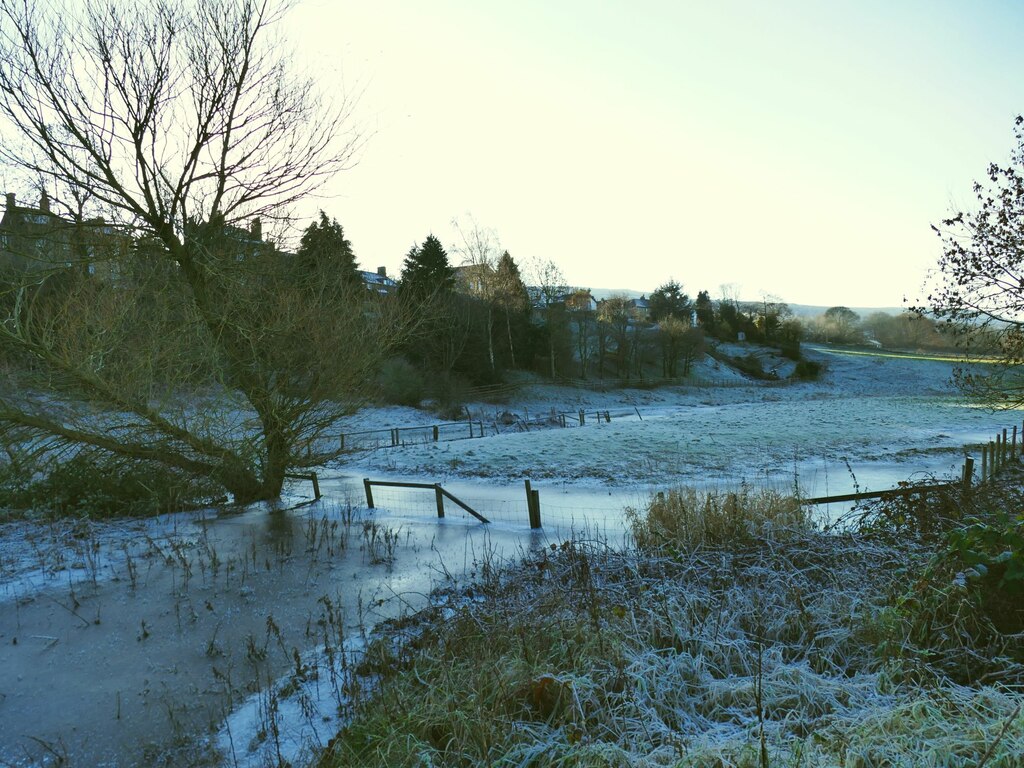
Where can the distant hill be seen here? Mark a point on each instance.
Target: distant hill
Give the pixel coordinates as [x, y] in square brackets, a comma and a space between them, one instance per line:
[600, 294]
[808, 310]
[800, 310]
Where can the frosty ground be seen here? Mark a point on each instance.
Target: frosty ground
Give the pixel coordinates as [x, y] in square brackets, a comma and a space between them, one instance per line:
[149, 633]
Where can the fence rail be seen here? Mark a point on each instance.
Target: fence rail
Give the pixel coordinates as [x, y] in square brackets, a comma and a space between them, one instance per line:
[996, 456]
[440, 494]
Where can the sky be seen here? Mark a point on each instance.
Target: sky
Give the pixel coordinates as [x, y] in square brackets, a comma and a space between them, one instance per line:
[795, 149]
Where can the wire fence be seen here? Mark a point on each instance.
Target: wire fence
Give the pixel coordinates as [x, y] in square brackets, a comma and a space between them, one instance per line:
[422, 500]
[499, 423]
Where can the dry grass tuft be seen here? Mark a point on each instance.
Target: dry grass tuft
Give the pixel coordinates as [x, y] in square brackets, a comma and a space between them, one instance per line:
[686, 519]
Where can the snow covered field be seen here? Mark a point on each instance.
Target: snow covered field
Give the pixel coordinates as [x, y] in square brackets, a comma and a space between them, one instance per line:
[871, 422]
[119, 640]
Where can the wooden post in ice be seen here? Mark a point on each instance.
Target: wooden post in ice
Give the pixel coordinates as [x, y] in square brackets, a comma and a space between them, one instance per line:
[532, 505]
[968, 474]
[439, 498]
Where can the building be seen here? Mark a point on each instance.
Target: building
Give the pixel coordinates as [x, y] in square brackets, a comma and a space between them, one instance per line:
[474, 279]
[641, 308]
[378, 281]
[35, 238]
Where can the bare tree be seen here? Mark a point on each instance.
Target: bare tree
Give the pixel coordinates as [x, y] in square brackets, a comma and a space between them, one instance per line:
[551, 289]
[617, 314]
[178, 121]
[578, 304]
[480, 251]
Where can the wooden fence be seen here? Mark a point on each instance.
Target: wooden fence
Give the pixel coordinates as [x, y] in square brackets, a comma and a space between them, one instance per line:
[996, 456]
[440, 494]
[394, 437]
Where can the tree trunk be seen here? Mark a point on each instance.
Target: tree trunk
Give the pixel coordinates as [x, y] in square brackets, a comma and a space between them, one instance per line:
[511, 347]
[490, 337]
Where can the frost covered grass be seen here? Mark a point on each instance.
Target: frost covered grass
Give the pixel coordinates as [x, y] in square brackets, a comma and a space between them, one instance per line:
[688, 649]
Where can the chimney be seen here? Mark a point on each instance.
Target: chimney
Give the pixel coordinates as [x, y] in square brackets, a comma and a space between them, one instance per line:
[12, 203]
[256, 228]
[382, 271]
[44, 202]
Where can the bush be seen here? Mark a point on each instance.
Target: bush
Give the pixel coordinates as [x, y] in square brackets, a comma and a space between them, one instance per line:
[807, 370]
[95, 487]
[401, 383]
[450, 393]
[988, 555]
[962, 608]
[790, 350]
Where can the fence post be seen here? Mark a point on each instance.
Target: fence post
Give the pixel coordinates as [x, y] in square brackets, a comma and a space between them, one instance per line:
[968, 472]
[582, 417]
[341, 441]
[316, 486]
[535, 504]
[562, 417]
[984, 463]
[1003, 454]
[369, 493]
[607, 417]
[1013, 446]
[436, 433]
[439, 498]
[470, 427]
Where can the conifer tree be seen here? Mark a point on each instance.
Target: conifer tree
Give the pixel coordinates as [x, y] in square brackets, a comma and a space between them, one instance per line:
[511, 297]
[426, 272]
[325, 249]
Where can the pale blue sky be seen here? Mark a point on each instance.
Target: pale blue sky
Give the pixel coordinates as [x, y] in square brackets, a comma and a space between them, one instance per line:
[796, 148]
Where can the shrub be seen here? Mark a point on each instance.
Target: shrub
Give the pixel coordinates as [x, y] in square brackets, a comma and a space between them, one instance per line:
[98, 487]
[790, 350]
[449, 393]
[988, 554]
[401, 383]
[807, 370]
[963, 603]
[687, 519]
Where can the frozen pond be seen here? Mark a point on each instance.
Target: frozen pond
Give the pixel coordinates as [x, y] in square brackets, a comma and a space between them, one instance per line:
[131, 650]
[130, 643]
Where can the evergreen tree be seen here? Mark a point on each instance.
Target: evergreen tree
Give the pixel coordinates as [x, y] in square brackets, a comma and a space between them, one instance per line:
[705, 310]
[670, 301]
[512, 299]
[324, 249]
[426, 272]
